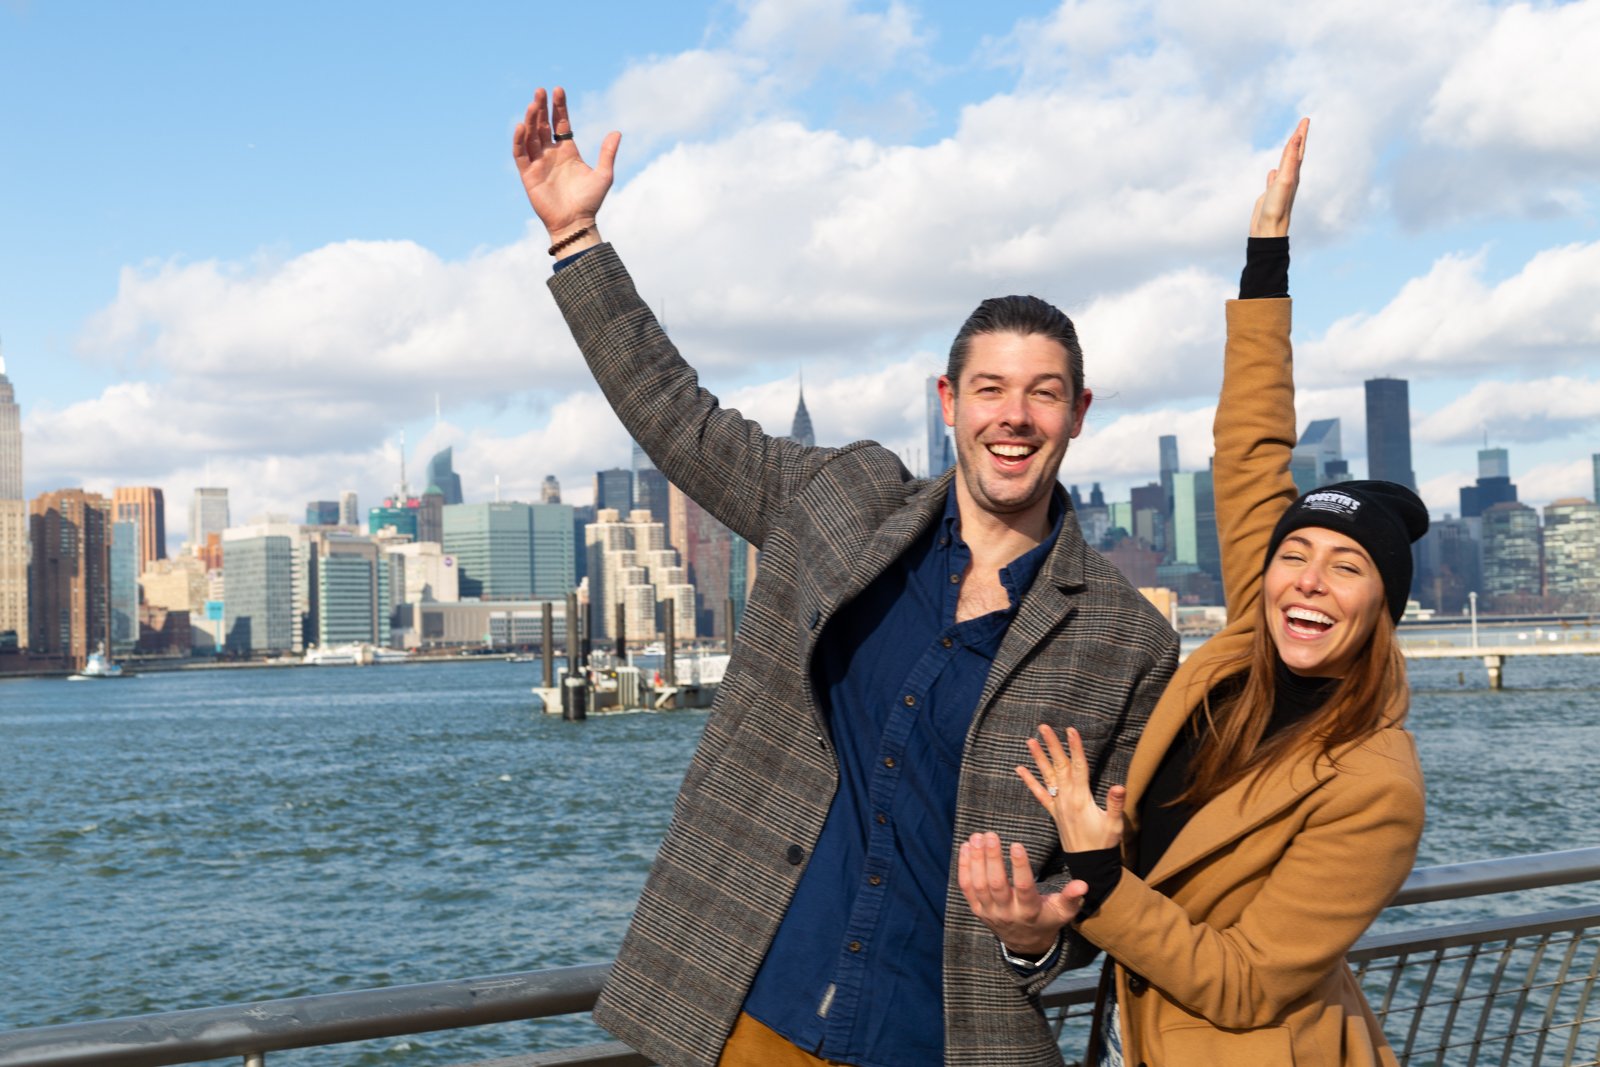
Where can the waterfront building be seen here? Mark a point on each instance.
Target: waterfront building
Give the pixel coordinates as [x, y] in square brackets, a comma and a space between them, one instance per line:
[652, 493]
[941, 456]
[1572, 554]
[614, 489]
[127, 543]
[430, 515]
[145, 505]
[346, 605]
[705, 546]
[69, 575]
[431, 575]
[1317, 459]
[1149, 516]
[208, 514]
[494, 624]
[1494, 484]
[550, 491]
[259, 607]
[322, 513]
[492, 544]
[800, 430]
[349, 509]
[14, 553]
[442, 473]
[397, 513]
[175, 584]
[1512, 555]
[554, 549]
[631, 565]
[1389, 431]
[1194, 521]
[1450, 565]
[1167, 453]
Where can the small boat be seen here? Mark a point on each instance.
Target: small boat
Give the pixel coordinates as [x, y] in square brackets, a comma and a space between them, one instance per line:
[338, 656]
[98, 666]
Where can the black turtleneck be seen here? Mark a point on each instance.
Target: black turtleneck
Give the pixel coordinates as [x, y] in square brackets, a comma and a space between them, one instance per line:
[1162, 816]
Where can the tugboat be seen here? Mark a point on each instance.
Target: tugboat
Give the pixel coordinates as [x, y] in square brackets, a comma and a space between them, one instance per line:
[98, 666]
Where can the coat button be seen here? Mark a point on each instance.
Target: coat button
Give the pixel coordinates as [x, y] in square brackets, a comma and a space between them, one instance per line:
[1136, 983]
[795, 854]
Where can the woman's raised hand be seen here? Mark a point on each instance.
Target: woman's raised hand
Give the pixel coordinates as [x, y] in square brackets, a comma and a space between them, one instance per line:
[1271, 215]
[1063, 788]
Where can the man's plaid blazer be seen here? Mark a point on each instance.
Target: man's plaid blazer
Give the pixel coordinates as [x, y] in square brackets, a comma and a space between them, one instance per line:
[1085, 649]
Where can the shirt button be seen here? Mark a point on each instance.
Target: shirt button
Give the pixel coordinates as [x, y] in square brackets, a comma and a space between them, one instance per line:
[888, 761]
[1136, 983]
[795, 854]
[911, 701]
[855, 946]
[946, 642]
[882, 818]
[955, 578]
[943, 541]
[874, 880]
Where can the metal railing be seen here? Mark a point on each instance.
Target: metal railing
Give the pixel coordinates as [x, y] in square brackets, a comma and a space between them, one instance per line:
[1517, 991]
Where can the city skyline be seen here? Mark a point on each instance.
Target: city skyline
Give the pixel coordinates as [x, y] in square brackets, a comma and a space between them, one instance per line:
[163, 337]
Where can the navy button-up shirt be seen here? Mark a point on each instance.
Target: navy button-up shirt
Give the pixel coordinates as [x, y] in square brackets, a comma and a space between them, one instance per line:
[856, 971]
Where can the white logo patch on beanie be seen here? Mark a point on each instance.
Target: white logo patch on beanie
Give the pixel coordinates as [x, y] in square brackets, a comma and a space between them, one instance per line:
[1338, 503]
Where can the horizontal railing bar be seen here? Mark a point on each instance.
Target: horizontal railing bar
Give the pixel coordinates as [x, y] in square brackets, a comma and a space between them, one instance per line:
[1458, 935]
[1478, 878]
[301, 1022]
[333, 1018]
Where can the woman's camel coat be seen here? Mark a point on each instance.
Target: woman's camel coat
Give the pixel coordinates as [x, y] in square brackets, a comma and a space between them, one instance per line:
[1232, 950]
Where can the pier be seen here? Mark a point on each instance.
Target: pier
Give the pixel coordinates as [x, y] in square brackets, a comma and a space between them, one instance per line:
[1494, 657]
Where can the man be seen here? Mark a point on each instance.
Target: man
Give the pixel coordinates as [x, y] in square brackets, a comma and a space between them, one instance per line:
[903, 640]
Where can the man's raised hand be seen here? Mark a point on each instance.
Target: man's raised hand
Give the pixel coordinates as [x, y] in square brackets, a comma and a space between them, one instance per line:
[566, 193]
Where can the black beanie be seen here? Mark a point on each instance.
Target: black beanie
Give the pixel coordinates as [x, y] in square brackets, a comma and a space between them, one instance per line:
[1382, 517]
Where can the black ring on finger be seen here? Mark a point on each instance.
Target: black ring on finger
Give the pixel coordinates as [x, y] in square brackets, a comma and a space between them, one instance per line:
[562, 136]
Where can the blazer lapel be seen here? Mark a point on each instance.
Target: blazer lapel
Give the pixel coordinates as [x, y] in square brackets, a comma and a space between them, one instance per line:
[1044, 609]
[888, 541]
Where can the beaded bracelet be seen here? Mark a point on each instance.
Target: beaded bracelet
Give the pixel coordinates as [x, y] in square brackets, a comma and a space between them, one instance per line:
[567, 240]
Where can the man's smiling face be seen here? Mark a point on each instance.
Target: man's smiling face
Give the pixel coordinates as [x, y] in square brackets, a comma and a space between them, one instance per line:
[1012, 414]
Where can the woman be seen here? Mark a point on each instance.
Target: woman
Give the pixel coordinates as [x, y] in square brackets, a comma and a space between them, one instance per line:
[1274, 803]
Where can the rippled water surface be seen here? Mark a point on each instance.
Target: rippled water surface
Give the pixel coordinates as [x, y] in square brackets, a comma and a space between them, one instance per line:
[182, 840]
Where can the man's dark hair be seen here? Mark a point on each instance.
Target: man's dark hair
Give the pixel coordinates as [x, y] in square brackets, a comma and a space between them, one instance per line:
[1025, 315]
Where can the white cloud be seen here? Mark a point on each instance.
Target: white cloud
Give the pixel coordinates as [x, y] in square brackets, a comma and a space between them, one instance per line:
[1451, 319]
[1541, 410]
[1527, 85]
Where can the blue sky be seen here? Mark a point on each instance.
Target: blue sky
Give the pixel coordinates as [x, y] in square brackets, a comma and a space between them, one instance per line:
[255, 242]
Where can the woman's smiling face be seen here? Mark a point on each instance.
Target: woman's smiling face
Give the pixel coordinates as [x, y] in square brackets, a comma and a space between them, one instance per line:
[1323, 594]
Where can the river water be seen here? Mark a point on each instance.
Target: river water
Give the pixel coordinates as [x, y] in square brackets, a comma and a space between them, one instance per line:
[206, 837]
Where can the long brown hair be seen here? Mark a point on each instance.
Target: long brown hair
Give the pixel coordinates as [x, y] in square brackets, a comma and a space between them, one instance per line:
[1233, 725]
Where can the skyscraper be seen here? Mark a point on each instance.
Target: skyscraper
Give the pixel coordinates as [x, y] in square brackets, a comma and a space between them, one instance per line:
[651, 492]
[442, 473]
[127, 542]
[1389, 431]
[14, 517]
[550, 491]
[1513, 553]
[1572, 554]
[940, 455]
[1167, 446]
[614, 489]
[1316, 457]
[208, 514]
[801, 431]
[1494, 485]
[259, 614]
[322, 513]
[145, 505]
[349, 510]
[69, 577]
